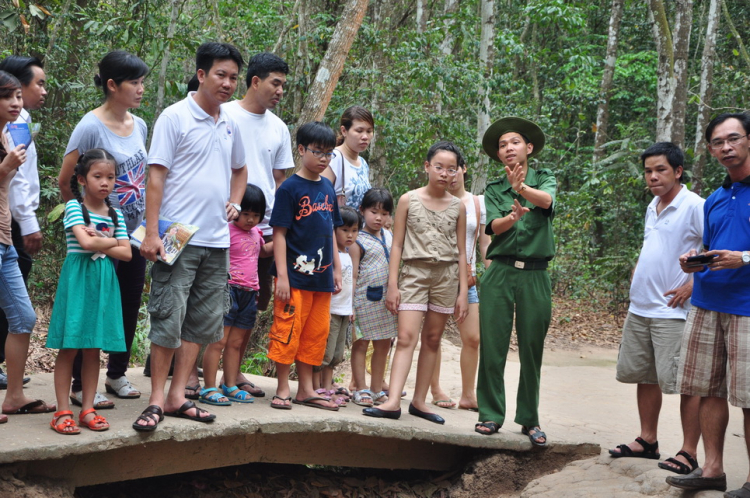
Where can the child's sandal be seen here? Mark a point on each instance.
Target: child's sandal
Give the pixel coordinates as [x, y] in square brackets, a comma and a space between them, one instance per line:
[380, 398]
[236, 394]
[97, 424]
[68, 426]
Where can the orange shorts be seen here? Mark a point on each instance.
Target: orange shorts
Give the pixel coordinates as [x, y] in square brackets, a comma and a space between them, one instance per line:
[300, 328]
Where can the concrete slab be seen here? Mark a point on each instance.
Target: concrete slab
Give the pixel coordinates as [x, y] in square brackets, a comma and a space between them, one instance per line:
[247, 433]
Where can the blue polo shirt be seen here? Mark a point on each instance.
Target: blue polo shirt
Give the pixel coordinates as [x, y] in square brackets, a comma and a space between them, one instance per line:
[727, 226]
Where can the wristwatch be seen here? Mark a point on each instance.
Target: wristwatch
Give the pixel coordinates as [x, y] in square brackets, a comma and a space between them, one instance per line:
[746, 257]
[236, 207]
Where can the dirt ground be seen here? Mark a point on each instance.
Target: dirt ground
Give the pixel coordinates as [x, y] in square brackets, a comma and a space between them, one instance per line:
[575, 325]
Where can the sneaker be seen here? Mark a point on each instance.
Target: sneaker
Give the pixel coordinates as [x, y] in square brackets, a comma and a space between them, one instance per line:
[4, 380]
[122, 388]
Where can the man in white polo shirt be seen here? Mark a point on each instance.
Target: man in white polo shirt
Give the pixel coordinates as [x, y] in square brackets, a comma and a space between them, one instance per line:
[268, 151]
[197, 175]
[659, 302]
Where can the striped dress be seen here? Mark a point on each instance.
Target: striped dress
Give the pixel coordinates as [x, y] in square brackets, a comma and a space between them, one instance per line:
[373, 320]
[87, 312]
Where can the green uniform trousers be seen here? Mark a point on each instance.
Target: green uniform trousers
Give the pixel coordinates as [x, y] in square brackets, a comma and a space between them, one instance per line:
[528, 292]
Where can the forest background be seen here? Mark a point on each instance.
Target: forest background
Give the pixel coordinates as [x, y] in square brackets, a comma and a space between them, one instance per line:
[603, 78]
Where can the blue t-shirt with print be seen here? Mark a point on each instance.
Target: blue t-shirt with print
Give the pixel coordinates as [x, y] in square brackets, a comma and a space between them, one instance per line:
[309, 211]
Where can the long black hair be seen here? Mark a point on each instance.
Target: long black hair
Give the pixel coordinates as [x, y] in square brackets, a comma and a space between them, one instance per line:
[83, 166]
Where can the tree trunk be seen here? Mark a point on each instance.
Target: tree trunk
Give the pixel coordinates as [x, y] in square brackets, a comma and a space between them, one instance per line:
[605, 91]
[290, 25]
[165, 58]
[446, 47]
[421, 16]
[706, 92]
[377, 158]
[735, 34]
[672, 69]
[486, 58]
[300, 80]
[319, 93]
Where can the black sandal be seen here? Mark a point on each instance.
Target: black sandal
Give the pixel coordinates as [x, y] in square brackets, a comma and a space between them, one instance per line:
[650, 450]
[681, 467]
[152, 413]
[492, 426]
[534, 438]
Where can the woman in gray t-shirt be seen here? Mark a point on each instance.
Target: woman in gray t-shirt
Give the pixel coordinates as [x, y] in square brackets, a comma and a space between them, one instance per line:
[113, 128]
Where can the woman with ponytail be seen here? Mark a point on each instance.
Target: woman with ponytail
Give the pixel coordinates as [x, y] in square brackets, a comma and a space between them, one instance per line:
[87, 315]
[113, 128]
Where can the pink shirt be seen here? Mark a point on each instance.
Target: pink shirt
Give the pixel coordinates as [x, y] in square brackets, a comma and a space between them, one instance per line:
[244, 250]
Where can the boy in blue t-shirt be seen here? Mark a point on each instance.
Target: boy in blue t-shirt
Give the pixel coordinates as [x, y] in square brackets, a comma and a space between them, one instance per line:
[306, 266]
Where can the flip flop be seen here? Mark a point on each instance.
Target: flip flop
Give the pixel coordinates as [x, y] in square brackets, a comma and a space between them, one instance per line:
[37, 406]
[492, 426]
[180, 413]
[451, 403]
[470, 409]
[281, 407]
[254, 390]
[311, 403]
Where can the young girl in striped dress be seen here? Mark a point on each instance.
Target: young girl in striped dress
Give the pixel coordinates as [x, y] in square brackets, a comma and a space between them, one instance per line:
[370, 258]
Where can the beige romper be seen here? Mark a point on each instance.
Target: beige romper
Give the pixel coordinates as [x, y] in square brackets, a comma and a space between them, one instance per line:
[429, 276]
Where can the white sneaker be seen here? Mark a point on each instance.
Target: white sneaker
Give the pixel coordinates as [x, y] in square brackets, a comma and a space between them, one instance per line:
[122, 388]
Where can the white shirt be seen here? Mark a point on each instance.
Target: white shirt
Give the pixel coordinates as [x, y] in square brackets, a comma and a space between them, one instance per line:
[668, 235]
[472, 236]
[341, 303]
[268, 146]
[200, 155]
[23, 192]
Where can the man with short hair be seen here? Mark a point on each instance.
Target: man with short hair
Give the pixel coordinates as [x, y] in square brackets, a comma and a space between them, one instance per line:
[23, 192]
[520, 210]
[268, 150]
[659, 303]
[197, 176]
[715, 363]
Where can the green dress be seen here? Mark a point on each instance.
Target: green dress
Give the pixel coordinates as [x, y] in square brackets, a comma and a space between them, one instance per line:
[87, 312]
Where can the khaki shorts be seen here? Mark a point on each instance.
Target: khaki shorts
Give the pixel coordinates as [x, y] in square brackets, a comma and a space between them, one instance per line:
[336, 341]
[716, 357]
[650, 352]
[428, 286]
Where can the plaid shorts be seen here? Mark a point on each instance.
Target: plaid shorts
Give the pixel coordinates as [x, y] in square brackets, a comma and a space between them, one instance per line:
[715, 358]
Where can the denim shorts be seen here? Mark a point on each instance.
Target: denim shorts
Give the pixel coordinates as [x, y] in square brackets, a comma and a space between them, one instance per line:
[14, 298]
[189, 299]
[473, 296]
[244, 308]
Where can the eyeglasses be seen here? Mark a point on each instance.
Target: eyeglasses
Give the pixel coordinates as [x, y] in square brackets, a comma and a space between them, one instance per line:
[732, 141]
[320, 154]
[440, 169]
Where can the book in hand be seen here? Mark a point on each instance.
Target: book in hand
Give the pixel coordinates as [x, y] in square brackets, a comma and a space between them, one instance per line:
[20, 133]
[174, 235]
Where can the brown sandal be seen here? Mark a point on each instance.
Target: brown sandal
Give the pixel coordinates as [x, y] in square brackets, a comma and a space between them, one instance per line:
[97, 424]
[68, 426]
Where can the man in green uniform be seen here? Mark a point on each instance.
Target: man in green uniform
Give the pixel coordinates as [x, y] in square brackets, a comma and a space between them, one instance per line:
[520, 209]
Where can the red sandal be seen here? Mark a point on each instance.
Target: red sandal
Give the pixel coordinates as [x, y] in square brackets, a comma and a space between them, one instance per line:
[98, 423]
[68, 426]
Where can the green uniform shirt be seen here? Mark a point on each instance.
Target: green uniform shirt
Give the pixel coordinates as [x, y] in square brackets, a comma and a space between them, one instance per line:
[531, 237]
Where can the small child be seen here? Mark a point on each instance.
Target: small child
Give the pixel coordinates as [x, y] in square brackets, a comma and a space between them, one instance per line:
[306, 266]
[246, 246]
[375, 323]
[429, 224]
[87, 314]
[341, 308]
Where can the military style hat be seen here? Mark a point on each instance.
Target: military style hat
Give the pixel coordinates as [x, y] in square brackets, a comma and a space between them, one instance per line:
[527, 128]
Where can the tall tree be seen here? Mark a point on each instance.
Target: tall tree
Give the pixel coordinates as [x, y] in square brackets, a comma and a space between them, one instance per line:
[605, 90]
[165, 56]
[329, 71]
[706, 93]
[446, 46]
[673, 48]
[486, 58]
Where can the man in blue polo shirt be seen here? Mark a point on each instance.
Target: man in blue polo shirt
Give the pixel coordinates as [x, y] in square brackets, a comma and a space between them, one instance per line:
[716, 360]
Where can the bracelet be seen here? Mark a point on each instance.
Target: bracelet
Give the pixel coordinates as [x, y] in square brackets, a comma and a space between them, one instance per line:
[236, 207]
[523, 187]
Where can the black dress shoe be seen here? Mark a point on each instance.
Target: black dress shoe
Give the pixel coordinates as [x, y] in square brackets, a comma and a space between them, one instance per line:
[378, 413]
[432, 417]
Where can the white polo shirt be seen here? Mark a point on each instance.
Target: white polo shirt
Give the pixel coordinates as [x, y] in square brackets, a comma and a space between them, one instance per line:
[200, 155]
[672, 233]
[23, 193]
[268, 146]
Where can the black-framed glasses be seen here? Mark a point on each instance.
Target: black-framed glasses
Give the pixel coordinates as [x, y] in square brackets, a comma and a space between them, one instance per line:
[320, 154]
[440, 169]
[732, 141]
